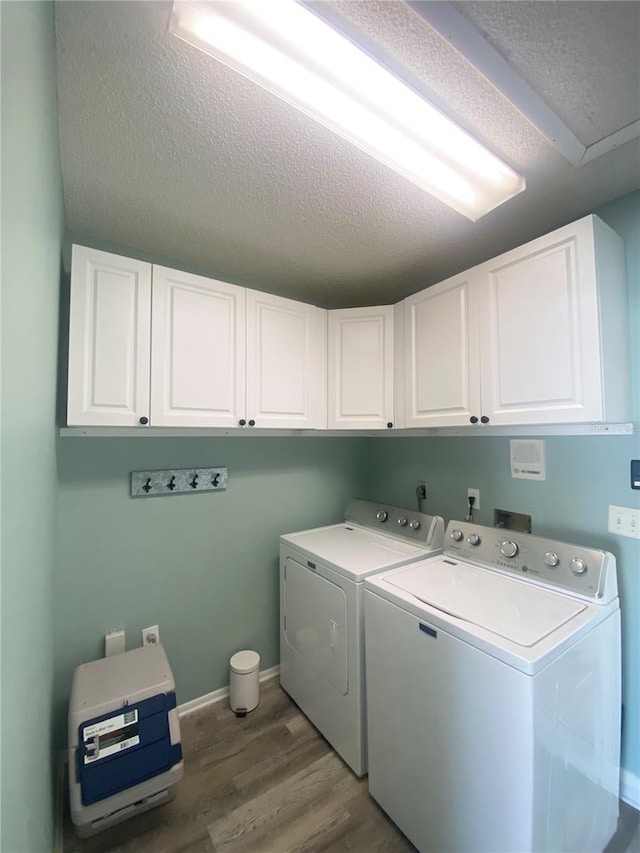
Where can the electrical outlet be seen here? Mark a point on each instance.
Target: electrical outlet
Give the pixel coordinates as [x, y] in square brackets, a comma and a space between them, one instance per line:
[421, 490]
[624, 521]
[113, 642]
[151, 636]
[474, 493]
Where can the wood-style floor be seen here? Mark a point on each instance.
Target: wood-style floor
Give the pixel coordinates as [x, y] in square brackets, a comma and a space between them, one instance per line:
[268, 783]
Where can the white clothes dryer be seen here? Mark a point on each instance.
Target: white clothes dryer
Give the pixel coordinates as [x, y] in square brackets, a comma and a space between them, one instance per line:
[493, 695]
[322, 572]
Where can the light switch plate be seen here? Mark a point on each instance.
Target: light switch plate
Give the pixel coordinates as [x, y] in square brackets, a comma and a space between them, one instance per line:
[624, 521]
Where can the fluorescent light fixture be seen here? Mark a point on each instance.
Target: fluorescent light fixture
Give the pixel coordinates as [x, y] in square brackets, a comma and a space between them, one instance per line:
[291, 52]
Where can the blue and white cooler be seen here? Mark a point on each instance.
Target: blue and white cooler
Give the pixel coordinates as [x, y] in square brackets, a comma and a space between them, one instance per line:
[125, 752]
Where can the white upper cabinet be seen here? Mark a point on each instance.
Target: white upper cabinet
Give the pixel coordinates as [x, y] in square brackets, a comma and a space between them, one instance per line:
[198, 351]
[151, 345]
[109, 343]
[554, 345]
[536, 336]
[360, 363]
[286, 363]
[442, 370]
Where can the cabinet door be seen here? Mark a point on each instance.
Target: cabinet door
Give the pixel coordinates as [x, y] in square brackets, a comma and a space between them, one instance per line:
[442, 375]
[109, 339]
[360, 368]
[286, 363]
[541, 354]
[198, 351]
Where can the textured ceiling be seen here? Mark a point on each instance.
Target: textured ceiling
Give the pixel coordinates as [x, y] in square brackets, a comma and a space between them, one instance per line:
[168, 152]
[583, 57]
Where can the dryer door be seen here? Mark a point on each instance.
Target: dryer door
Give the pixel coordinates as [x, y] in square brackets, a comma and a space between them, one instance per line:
[315, 622]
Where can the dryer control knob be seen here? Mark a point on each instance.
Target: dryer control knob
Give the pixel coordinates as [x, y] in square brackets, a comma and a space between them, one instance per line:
[509, 548]
[456, 535]
[578, 567]
[415, 524]
[473, 539]
[551, 559]
[382, 515]
[402, 521]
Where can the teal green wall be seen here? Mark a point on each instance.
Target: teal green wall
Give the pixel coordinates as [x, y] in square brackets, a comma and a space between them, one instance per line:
[193, 564]
[190, 564]
[203, 567]
[32, 228]
[584, 475]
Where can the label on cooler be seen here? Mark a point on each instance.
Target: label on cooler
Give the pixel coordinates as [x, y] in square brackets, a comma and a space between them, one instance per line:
[110, 736]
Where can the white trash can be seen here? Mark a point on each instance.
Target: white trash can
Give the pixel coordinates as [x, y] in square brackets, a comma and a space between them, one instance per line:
[244, 682]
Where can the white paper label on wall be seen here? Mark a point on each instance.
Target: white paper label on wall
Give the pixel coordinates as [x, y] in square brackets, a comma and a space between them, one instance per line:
[527, 459]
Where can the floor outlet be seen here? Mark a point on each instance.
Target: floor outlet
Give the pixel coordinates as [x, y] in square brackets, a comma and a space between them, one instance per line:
[151, 636]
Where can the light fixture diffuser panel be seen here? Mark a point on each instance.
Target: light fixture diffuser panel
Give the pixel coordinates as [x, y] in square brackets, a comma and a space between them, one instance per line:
[291, 52]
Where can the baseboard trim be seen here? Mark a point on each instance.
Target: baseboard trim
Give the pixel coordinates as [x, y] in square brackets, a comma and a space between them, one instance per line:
[630, 788]
[218, 695]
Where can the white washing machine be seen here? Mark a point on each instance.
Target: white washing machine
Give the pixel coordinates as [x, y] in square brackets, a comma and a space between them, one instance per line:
[493, 695]
[321, 612]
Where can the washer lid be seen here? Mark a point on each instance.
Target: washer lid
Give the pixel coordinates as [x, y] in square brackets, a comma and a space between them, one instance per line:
[519, 612]
[354, 551]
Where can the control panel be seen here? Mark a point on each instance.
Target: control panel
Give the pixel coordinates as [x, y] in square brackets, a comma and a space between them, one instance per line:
[585, 571]
[407, 524]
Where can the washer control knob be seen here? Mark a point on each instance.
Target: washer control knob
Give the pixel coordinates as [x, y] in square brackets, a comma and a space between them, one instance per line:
[382, 515]
[509, 548]
[473, 539]
[456, 535]
[578, 567]
[415, 524]
[402, 521]
[551, 559]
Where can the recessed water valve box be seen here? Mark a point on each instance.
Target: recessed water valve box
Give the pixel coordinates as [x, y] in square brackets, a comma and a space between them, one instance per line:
[512, 520]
